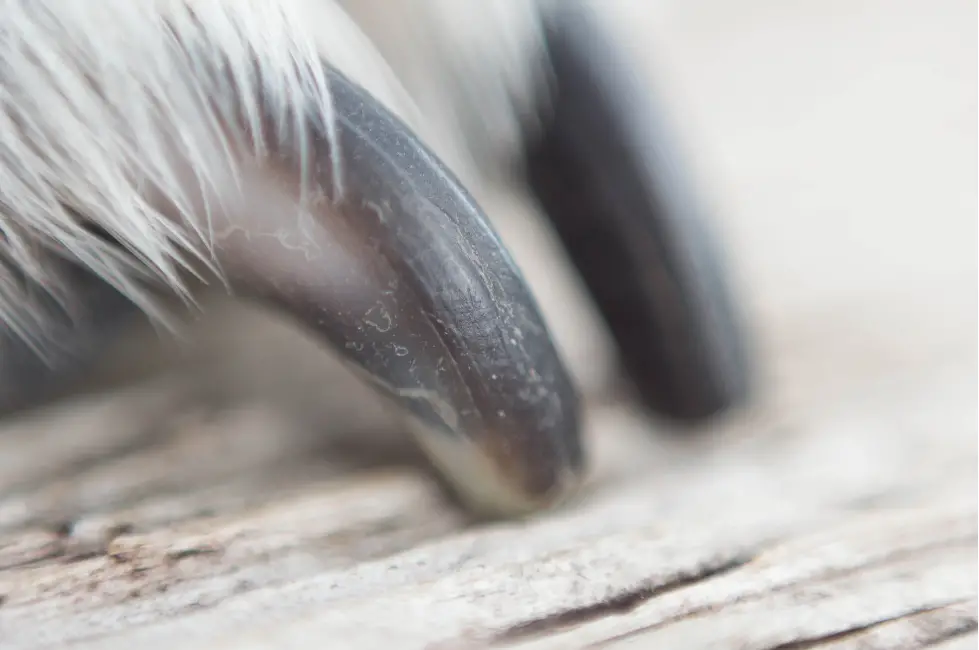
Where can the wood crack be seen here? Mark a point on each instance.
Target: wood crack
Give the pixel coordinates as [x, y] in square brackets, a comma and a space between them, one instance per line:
[617, 606]
[832, 574]
[946, 629]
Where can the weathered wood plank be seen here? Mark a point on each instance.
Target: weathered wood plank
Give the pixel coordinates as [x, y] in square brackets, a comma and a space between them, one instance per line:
[731, 541]
[841, 513]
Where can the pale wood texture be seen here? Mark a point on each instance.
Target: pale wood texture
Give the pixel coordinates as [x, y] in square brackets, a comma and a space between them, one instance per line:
[840, 513]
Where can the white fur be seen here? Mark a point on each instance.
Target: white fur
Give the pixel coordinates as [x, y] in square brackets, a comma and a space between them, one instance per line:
[101, 98]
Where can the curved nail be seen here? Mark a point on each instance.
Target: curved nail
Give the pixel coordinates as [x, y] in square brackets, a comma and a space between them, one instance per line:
[606, 176]
[392, 262]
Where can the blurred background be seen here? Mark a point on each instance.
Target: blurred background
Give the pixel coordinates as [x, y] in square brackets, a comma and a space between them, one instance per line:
[839, 139]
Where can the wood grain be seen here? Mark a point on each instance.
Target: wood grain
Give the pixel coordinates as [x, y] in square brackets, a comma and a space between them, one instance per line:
[840, 513]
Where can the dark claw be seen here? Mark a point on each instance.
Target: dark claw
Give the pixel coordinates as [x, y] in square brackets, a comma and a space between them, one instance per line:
[401, 272]
[607, 179]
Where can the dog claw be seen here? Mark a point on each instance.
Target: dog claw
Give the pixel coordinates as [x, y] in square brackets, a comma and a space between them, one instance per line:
[607, 180]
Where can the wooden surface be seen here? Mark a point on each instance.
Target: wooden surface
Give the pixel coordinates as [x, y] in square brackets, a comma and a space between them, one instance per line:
[840, 513]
